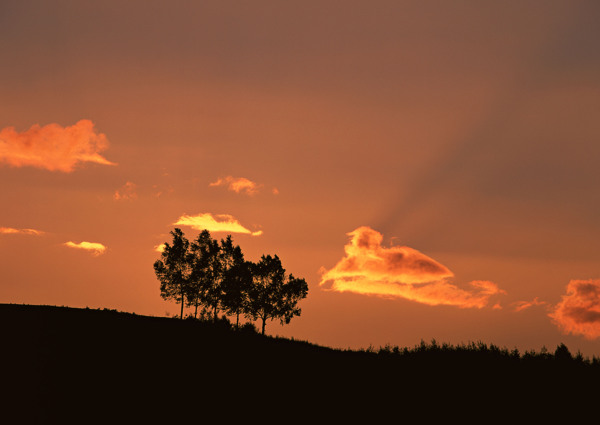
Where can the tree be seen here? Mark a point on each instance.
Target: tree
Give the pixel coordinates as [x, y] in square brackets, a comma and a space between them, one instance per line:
[271, 295]
[237, 280]
[236, 286]
[293, 291]
[205, 263]
[562, 353]
[173, 269]
[198, 261]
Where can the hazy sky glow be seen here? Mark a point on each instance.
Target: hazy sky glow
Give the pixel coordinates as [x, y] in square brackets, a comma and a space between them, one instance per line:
[430, 168]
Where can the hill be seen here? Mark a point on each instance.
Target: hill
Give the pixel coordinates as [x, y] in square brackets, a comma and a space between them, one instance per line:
[64, 364]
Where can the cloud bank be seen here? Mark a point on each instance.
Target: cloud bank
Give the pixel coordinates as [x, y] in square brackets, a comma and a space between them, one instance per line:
[579, 310]
[53, 147]
[94, 248]
[400, 271]
[215, 223]
[12, 231]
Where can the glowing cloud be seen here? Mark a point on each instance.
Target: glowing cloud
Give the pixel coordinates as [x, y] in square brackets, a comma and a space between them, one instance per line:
[12, 231]
[160, 248]
[53, 147]
[522, 305]
[215, 223]
[579, 310]
[400, 271]
[126, 193]
[238, 185]
[93, 247]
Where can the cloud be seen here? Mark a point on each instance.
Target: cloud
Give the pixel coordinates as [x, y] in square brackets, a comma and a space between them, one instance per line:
[159, 191]
[215, 223]
[126, 193]
[400, 271]
[12, 231]
[579, 310]
[238, 185]
[160, 248]
[94, 248]
[522, 305]
[53, 147]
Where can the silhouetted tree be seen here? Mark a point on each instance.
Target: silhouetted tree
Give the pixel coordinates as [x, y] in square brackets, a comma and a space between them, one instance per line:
[206, 272]
[293, 291]
[562, 353]
[173, 269]
[236, 279]
[199, 259]
[271, 295]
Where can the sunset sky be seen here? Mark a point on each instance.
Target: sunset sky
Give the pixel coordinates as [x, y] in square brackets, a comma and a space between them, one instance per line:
[431, 168]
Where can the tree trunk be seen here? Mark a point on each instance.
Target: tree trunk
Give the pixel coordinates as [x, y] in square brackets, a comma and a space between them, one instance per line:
[264, 319]
[196, 310]
[182, 303]
[215, 314]
[237, 321]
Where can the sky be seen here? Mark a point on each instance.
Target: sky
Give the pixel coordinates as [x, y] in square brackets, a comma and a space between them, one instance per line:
[429, 167]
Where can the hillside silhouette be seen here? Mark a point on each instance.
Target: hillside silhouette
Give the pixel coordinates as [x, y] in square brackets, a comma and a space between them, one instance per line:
[66, 364]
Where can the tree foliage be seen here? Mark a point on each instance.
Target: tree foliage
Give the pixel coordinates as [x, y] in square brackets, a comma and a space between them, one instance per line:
[214, 277]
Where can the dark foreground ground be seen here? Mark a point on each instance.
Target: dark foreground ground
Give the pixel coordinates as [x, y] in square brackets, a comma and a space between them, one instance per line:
[72, 365]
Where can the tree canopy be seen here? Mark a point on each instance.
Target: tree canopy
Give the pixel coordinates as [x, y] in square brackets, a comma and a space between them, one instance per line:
[214, 277]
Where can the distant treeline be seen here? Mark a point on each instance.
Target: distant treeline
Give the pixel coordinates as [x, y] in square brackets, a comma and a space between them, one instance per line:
[213, 277]
[481, 352]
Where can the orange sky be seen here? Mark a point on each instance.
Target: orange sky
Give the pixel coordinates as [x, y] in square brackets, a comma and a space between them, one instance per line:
[430, 168]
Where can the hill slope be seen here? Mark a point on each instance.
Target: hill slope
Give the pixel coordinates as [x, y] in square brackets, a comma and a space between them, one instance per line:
[63, 363]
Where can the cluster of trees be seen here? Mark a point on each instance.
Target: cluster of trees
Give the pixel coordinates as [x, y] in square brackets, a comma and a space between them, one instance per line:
[213, 277]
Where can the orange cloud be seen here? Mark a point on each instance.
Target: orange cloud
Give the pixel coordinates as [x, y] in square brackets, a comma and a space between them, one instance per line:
[126, 193]
[12, 231]
[215, 223]
[53, 147]
[238, 185]
[579, 310]
[160, 248]
[93, 247]
[522, 305]
[400, 271]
